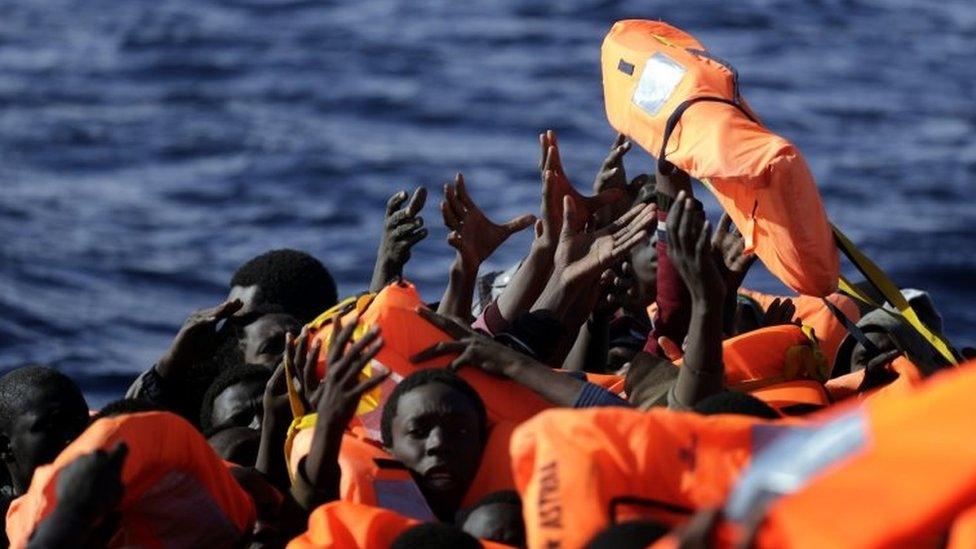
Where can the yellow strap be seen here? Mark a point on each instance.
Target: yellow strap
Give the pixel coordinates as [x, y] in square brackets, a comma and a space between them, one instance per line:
[298, 424]
[890, 291]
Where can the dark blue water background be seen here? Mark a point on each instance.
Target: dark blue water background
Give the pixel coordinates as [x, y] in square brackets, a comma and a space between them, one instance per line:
[148, 148]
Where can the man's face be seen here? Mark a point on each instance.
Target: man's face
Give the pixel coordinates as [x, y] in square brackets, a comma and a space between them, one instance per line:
[643, 260]
[263, 340]
[437, 435]
[48, 421]
[239, 405]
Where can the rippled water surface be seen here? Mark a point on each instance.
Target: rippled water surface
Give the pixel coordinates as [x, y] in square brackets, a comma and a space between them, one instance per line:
[148, 148]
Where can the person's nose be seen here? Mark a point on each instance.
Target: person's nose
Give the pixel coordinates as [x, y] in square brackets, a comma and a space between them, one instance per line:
[435, 441]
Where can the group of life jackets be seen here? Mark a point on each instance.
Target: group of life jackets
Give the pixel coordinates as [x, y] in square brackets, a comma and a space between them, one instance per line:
[886, 468]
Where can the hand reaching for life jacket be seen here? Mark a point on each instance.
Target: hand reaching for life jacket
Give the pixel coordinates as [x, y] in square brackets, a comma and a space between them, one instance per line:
[402, 230]
[91, 486]
[472, 348]
[690, 250]
[473, 235]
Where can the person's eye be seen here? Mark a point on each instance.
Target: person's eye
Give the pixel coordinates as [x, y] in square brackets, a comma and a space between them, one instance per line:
[417, 433]
[274, 346]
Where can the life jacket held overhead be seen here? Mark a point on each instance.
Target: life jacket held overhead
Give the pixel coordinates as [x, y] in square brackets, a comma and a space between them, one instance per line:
[665, 91]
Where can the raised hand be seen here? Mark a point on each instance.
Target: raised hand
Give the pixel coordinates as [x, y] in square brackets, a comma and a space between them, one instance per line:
[729, 245]
[473, 235]
[690, 250]
[780, 312]
[472, 348]
[581, 254]
[274, 428]
[552, 162]
[337, 397]
[402, 230]
[197, 339]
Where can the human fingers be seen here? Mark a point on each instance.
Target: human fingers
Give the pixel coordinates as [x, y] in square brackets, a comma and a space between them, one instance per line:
[617, 152]
[228, 308]
[369, 384]
[276, 385]
[544, 149]
[646, 220]
[454, 240]
[675, 215]
[417, 201]
[310, 370]
[464, 359]
[621, 248]
[354, 357]
[439, 349]
[569, 216]
[407, 227]
[519, 223]
[690, 227]
[621, 222]
[334, 349]
[462, 192]
[446, 324]
[395, 201]
[451, 220]
[703, 244]
[299, 351]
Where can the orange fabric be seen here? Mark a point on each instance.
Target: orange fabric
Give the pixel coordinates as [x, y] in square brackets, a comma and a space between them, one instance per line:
[405, 334]
[359, 470]
[812, 312]
[610, 382]
[570, 465]
[345, 525]
[909, 377]
[963, 532]
[759, 178]
[903, 487]
[769, 355]
[789, 393]
[178, 492]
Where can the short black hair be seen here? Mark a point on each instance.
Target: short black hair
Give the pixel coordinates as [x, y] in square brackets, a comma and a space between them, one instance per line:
[502, 497]
[125, 406]
[628, 535]
[226, 378]
[424, 377]
[16, 384]
[291, 282]
[734, 402]
[435, 535]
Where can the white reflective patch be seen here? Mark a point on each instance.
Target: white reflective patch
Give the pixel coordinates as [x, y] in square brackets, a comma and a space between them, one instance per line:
[659, 79]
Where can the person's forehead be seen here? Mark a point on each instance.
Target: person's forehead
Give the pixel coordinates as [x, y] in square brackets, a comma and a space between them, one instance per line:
[433, 398]
[271, 324]
[248, 296]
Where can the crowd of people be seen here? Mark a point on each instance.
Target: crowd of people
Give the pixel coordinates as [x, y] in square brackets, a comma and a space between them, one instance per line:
[613, 389]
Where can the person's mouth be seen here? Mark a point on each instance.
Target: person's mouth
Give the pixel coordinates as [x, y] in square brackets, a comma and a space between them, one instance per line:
[440, 477]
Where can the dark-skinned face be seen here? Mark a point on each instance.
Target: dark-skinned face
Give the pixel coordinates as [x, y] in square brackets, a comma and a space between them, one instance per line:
[501, 522]
[263, 341]
[237, 445]
[239, 405]
[643, 260]
[46, 423]
[436, 434]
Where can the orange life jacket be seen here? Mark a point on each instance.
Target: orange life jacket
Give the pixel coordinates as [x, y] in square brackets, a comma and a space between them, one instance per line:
[405, 333]
[682, 104]
[892, 472]
[771, 355]
[345, 525]
[581, 470]
[812, 312]
[371, 476]
[178, 492]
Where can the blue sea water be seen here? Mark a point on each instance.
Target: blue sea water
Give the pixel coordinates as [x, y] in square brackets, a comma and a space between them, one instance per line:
[148, 148]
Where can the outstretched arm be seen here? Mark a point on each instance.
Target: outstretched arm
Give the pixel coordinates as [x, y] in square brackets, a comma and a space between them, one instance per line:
[702, 374]
[402, 229]
[336, 400]
[475, 237]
